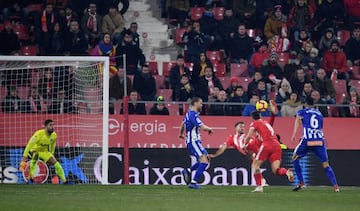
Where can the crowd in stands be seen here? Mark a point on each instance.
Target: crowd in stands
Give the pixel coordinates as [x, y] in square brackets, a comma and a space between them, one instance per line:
[288, 51]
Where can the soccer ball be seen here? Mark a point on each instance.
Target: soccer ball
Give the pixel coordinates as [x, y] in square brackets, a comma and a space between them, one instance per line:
[262, 105]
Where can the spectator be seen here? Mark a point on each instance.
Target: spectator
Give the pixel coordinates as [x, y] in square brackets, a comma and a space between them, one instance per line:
[228, 27]
[284, 92]
[55, 43]
[12, 102]
[326, 40]
[75, 40]
[261, 91]
[104, 5]
[220, 109]
[241, 46]
[134, 55]
[68, 15]
[334, 61]
[159, 107]
[352, 48]
[15, 8]
[91, 24]
[105, 48]
[246, 11]
[312, 62]
[9, 41]
[276, 23]
[297, 83]
[252, 86]
[325, 86]
[46, 84]
[116, 85]
[214, 96]
[34, 103]
[328, 12]
[291, 106]
[195, 42]
[352, 9]
[209, 26]
[175, 74]
[206, 85]
[178, 9]
[251, 107]
[305, 51]
[300, 41]
[62, 105]
[291, 67]
[234, 83]
[113, 23]
[301, 17]
[44, 23]
[144, 84]
[307, 92]
[257, 59]
[239, 97]
[64, 79]
[199, 68]
[262, 12]
[80, 6]
[271, 70]
[315, 95]
[353, 101]
[134, 106]
[185, 91]
[135, 36]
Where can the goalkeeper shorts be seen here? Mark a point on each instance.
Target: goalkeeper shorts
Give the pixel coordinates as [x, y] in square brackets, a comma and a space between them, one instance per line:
[44, 156]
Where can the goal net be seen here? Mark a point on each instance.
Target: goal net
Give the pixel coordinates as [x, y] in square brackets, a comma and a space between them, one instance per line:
[71, 92]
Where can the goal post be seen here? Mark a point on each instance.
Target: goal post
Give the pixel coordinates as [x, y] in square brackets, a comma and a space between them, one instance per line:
[71, 90]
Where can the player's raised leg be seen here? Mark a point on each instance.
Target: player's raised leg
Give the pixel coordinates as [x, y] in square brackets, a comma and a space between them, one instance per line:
[32, 167]
[58, 168]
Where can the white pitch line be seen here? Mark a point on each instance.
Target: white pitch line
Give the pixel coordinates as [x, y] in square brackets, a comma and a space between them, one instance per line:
[215, 128]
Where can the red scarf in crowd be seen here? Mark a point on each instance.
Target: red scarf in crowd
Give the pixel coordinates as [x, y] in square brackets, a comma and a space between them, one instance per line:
[43, 21]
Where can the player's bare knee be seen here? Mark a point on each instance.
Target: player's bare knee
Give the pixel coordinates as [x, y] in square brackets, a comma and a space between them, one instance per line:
[325, 164]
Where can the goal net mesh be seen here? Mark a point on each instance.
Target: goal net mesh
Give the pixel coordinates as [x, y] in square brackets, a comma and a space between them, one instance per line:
[68, 92]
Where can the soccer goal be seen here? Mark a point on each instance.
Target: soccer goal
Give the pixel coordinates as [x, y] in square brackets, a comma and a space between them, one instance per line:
[73, 92]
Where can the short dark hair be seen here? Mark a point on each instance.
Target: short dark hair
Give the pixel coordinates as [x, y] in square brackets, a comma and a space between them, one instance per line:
[256, 115]
[195, 100]
[47, 122]
[309, 101]
[239, 123]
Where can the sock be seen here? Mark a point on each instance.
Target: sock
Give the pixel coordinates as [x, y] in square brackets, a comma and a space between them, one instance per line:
[331, 175]
[32, 168]
[258, 177]
[194, 167]
[60, 171]
[298, 171]
[281, 171]
[199, 171]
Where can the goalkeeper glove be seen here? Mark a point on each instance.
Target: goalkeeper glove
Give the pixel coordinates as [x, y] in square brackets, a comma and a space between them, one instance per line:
[22, 165]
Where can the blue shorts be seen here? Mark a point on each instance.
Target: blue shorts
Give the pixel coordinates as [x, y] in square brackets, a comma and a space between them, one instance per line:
[196, 149]
[320, 151]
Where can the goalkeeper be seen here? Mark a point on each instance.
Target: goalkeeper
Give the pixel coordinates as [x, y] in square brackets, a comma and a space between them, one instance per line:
[42, 146]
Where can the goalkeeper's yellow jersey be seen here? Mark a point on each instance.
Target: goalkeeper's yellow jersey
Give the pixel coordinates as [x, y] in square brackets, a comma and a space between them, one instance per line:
[41, 142]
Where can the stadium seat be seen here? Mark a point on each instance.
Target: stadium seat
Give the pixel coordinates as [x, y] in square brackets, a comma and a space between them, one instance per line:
[340, 86]
[166, 93]
[131, 78]
[3, 92]
[22, 31]
[219, 69]
[153, 66]
[34, 8]
[355, 72]
[178, 36]
[333, 111]
[283, 58]
[244, 82]
[148, 107]
[196, 13]
[356, 84]
[219, 13]
[23, 92]
[214, 56]
[159, 80]
[343, 36]
[225, 81]
[166, 68]
[173, 108]
[239, 70]
[117, 107]
[340, 96]
[29, 50]
[189, 65]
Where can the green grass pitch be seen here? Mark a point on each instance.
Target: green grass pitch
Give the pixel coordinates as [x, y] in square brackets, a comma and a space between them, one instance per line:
[144, 198]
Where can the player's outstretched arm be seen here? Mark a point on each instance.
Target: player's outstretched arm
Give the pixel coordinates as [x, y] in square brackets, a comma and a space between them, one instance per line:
[296, 126]
[206, 128]
[219, 152]
[181, 131]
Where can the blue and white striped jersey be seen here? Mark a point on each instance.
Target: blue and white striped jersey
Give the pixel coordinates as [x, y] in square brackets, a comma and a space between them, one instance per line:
[192, 123]
[312, 121]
